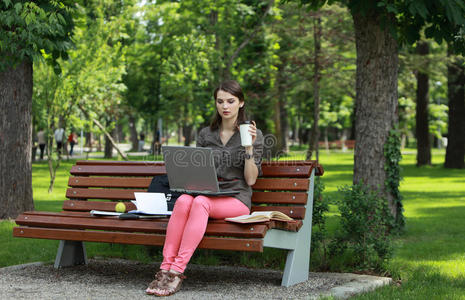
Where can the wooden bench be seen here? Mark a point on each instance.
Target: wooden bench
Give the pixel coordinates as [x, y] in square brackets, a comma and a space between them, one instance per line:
[284, 186]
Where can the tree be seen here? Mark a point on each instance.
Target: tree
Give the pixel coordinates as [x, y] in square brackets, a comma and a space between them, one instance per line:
[89, 83]
[380, 28]
[298, 32]
[422, 125]
[455, 152]
[28, 29]
[315, 133]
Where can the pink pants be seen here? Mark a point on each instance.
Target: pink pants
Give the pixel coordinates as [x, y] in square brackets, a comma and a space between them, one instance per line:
[188, 223]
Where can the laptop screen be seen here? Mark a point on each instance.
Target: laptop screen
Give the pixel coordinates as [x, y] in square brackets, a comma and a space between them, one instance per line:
[190, 168]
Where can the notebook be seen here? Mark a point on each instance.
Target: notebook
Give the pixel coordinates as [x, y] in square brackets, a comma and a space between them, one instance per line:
[191, 170]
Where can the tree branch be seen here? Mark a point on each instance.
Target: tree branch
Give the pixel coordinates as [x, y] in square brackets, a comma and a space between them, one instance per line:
[250, 37]
[101, 127]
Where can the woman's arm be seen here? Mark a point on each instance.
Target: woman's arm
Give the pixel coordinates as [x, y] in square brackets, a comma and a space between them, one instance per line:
[250, 166]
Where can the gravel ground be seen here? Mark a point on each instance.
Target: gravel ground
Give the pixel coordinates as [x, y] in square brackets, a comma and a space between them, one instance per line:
[122, 279]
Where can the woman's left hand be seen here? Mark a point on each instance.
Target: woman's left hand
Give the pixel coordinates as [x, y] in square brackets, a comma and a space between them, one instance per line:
[253, 131]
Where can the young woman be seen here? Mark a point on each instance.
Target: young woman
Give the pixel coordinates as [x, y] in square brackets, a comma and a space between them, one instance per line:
[237, 169]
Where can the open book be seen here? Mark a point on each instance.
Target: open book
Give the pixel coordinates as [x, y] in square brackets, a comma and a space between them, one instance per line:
[261, 216]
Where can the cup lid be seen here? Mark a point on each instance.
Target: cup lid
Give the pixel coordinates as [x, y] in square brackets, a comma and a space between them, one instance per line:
[246, 122]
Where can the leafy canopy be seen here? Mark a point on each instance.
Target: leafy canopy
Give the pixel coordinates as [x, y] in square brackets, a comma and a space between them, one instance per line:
[29, 27]
[442, 20]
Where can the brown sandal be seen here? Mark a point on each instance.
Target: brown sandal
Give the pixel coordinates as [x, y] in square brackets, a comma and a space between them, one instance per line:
[158, 282]
[165, 285]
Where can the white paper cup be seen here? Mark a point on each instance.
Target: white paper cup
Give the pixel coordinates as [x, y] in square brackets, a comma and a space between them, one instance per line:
[246, 137]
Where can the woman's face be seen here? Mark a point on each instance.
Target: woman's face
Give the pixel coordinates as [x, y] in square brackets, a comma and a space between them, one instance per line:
[228, 105]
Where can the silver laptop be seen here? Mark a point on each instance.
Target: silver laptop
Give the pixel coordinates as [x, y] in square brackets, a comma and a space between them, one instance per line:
[191, 170]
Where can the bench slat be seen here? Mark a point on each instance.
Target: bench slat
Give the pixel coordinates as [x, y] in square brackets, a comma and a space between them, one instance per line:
[113, 194]
[110, 194]
[288, 226]
[147, 170]
[148, 226]
[266, 164]
[286, 170]
[295, 212]
[279, 197]
[120, 163]
[217, 243]
[113, 182]
[290, 184]
[79, 205]
[281, 184]
[118, 170]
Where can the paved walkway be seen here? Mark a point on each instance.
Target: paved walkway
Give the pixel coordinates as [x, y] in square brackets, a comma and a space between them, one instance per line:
[122, 279]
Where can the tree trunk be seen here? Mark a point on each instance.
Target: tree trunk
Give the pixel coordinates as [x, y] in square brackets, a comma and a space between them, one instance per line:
[280, 115]
[315, 134]
[455, 152]
[133, 133]
[89, 140]
[119, 132]
[16, 140]
[217, 60]
[422, 125]
[99, 143]
[326, 139]
[277, 148]
[108, 148]
[376, 101]
[187, 133]
[284, 124]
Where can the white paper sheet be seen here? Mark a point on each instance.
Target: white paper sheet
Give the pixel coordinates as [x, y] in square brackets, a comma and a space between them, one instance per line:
[151, 203]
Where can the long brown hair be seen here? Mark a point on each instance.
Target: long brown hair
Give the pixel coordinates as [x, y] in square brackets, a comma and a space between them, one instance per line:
[232, 87]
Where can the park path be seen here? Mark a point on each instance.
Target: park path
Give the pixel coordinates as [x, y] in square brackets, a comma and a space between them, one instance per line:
[123, 279]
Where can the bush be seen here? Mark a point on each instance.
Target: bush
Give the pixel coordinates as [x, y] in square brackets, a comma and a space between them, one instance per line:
[319, 232]
[364, 233]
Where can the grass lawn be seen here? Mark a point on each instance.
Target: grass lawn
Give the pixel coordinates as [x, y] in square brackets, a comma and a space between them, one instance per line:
[429, 259]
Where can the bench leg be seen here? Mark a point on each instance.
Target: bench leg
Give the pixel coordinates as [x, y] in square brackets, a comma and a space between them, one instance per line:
[70, 253]
[298, 259]
[297, 263]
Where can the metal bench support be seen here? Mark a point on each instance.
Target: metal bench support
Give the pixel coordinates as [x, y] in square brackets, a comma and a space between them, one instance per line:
[298, 243]
[70, 253]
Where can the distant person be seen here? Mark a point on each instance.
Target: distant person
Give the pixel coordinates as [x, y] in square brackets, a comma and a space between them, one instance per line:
[157, 145]
[141, 142]
[34, 146]
[59, 132]
[41, 140]
[72, 140]
[189, 219]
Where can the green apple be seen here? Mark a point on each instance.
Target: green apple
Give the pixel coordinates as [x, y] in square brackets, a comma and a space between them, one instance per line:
[120, 207]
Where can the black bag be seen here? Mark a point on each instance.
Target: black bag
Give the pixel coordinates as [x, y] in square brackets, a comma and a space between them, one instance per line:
[160, 184]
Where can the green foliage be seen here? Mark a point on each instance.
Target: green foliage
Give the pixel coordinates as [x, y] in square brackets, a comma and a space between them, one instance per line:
[363, 240]
[441, 20]
[435, 65]
[92, 75]
[319, 231]
[392, 167]
[29, 28]
[295, 36]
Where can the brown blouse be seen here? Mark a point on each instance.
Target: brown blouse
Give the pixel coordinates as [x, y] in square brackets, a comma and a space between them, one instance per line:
[229, 161]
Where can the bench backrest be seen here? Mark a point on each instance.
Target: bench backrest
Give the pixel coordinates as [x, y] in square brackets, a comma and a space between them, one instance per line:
[283, 186]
